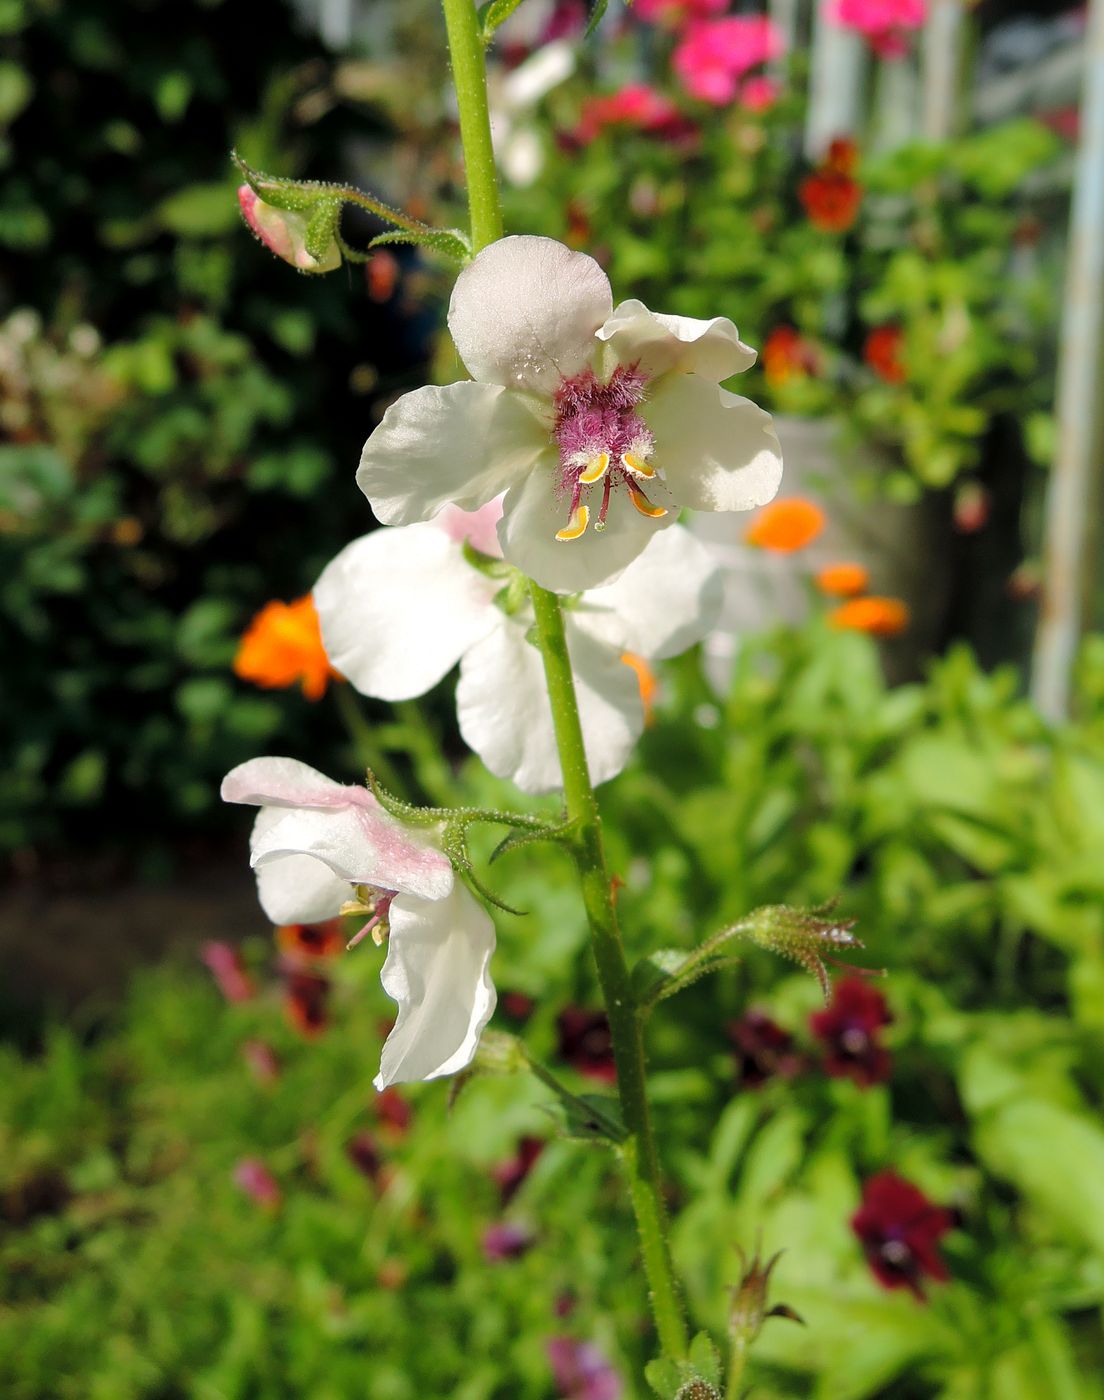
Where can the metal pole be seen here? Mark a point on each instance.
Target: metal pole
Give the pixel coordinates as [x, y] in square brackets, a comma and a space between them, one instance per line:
[1074, 496]
[942, 63]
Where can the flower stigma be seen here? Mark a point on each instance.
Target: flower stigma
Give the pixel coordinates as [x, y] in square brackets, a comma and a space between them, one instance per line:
[603, 440]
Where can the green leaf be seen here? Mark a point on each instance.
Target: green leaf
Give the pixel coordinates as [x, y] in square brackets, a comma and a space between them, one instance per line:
[588, 1117]
[494, 13]
[597, 11]
[450, 242]
[199, 211]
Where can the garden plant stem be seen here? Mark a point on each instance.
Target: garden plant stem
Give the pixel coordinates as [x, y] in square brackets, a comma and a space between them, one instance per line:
[638, 1150]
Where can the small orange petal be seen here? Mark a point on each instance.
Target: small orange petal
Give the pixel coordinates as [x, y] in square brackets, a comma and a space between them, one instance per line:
[786, 526]
[646, 679]
[843, 580]
[880, 617]
[283, 645]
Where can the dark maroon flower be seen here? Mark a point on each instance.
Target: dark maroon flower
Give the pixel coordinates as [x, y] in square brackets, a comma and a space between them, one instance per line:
[763, 1050]
[900, 1230]
[586, 1042]
[393, 1111]
[362, 1151]
[517, 1006]
[581, 1371]
[510, 1174]
[305, 997]
[848, 1029]
[226, 967]
[257, 1182]
[505, 1240]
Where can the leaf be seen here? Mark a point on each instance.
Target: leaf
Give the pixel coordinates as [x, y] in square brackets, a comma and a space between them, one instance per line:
[588, 1117]
[597, 11]
[494, 13]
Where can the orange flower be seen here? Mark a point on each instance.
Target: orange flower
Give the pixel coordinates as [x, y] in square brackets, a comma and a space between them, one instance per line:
[646, 679]
[843, 580]
[310, 942]
[880, 617]
[831, 200]
[786, 526]
[841, 157]
[787, 356]
[882, 352]
[282, 645]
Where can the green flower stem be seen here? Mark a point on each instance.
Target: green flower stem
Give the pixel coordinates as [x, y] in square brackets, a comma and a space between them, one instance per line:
[469, 76]
[363, 736]
[626, 1025]
[638, 1151]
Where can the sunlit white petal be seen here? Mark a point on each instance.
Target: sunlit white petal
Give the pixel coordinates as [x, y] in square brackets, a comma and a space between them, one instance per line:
[660, 343]
[437, 970]
[296, 889]
[525, 310]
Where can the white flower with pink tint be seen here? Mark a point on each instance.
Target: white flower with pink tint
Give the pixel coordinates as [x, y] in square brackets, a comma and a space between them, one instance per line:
[284, 232]
[399, 608]
[320, 848]
[598, 423]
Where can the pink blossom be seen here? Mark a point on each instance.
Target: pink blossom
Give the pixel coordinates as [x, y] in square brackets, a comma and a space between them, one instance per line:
[257, 1182]
[881, 22]
[228, 970]
[636, 105]
[581, 1371]
[716, 54]
[759, 93]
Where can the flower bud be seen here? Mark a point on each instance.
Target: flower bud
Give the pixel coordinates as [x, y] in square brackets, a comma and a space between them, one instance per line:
[304, 235]
[749, 1308]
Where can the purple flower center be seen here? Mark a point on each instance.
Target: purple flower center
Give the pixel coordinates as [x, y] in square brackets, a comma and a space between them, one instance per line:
[603, 441]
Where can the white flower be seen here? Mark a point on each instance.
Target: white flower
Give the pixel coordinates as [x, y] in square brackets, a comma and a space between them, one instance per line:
[316, 846]
[599, 424]
[399, 608]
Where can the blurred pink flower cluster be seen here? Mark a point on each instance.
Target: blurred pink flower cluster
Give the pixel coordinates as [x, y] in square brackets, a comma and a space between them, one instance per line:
[883, 23]
[714, 58]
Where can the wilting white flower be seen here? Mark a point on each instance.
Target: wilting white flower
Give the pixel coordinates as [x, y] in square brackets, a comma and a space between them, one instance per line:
[399, 608]
[599, 424]
[319, 847]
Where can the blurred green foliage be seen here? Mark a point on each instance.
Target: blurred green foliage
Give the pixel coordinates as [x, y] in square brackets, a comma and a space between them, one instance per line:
[181, 413]
[963, 834]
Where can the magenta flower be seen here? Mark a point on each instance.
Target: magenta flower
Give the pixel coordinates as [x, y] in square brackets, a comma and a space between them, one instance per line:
[900, 1230]
[635, 105]
[882, 23]
[759, 94]
[226, 967]
[581, 1371]
[257, 1182]
[716, 54]
[848, 1030]
[505, 1240]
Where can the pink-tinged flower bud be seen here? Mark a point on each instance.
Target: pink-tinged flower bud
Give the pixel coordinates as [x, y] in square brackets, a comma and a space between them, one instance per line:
[971, 508]
[306, 238]
[226, 967]
[257, 1182]
[262, 1061]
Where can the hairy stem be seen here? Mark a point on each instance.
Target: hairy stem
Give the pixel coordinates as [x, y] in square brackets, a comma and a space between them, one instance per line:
[638, 1151]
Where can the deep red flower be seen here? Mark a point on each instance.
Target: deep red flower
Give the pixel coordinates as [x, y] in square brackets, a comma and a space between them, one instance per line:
[364, 1153]
[831, 200]
[510, 1174]
[393, 1111]
[518, 1006]
[900, 1230]
[586, 1043]
[787, 356]
[882, 352]
[305, 998]
[637, 106]
[849, 1028]
[301, 943]
[763, 1050]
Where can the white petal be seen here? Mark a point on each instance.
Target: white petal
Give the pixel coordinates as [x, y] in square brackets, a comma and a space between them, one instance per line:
[533, 512]
[437, 970]
[505, 715]
[399, 607]
[281, 782]
[525, 311]
[296, 889]
[712, 349]
[664, 602]
[717, 450]
[459, 445]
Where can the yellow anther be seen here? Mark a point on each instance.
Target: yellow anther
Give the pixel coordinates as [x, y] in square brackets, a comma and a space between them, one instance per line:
[577, 524]
[644, 506]
[631, 462]
[595, 469]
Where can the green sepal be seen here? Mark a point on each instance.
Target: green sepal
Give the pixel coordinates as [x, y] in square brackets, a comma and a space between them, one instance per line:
[498, 1053]
[696, 1378]
[449, 242]
[588, 1117]
[563, 835]
[492, 14]
[512, 598]
[407, 812]
[489, 564]
[322, 227]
